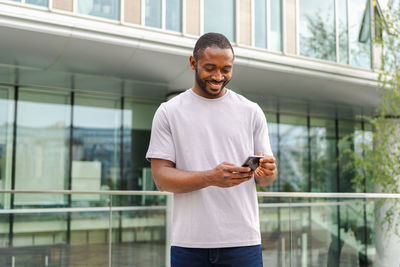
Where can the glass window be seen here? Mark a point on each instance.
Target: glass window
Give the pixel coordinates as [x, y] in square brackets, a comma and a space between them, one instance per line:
[38, 2]
[96, 145]
[346, 175]
[293, 154]
[274, 140]
[173, 15]
[360, 27]
[317, 29]
[323, 155]
[275, 38]
[219, 16]
[260, 23]
[108, 9]
[153, 13]
[138, 117]
[6, 139]
[343, 32]
[42, 156]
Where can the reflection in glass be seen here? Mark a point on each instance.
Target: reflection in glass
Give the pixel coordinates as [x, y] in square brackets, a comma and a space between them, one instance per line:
[4, 232]
[173, 15]
[317, 29]
[44, 229]
[324, 232]
[260, 23]
[108, 9]
[140, 240]
[38, 2]
[153, 13]
[293, 154]
[367, 141]
[346, 175]
[360, 27]
[323, 155]
[274, 141]
[219, 16]
[300, 233]
[137, 175]
[275, 38]
[353, 234]
[343, 33]
[96, 145]
[89, 238]
[42, 155]
[270, 233]
[6, 139]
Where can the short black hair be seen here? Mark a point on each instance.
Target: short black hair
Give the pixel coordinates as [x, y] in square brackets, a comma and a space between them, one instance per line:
[209, 40]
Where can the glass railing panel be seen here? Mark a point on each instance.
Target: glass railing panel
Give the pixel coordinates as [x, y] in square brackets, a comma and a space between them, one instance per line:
[323, 230]
[275, 230]
[140, 231]
[38, 232]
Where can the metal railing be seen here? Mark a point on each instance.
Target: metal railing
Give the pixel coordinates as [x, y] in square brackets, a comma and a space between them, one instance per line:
[286, 205]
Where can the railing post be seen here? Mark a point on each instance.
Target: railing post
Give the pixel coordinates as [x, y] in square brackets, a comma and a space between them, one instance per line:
[168, 220]
[110, 234]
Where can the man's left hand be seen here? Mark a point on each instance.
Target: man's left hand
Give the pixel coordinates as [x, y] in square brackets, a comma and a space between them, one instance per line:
[266, 172]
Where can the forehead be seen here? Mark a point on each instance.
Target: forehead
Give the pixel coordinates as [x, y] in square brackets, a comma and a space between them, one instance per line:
[214, 53]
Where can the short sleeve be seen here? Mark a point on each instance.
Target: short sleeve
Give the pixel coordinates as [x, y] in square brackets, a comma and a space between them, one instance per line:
[260, 134]
[161, 141]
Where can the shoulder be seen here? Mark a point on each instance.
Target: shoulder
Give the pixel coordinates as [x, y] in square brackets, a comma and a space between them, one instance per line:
[176, 101]
[241, 100]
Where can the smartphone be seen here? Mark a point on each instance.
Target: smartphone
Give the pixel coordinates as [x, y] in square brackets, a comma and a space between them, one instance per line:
[252, 162]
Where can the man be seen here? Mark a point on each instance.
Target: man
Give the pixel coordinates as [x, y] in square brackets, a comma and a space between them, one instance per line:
[199, 141]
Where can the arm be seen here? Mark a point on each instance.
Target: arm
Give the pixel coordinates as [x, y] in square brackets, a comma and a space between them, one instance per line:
[266, 172]
[168, 178]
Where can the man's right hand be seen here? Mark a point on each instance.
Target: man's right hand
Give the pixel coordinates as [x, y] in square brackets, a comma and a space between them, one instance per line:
[228, 175]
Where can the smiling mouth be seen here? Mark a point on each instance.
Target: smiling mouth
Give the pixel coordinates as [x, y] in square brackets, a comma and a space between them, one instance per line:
[214, 85]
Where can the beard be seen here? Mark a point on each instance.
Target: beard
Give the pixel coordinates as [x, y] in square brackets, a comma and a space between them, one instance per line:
[203, 84]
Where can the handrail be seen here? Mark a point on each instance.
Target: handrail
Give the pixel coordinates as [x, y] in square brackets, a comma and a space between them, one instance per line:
[161, 193]
[85, 209]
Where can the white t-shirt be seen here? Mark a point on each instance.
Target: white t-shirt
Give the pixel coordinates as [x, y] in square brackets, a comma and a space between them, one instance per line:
[197, 134]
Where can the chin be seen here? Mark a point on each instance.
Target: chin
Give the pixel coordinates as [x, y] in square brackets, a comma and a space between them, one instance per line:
[215, 93]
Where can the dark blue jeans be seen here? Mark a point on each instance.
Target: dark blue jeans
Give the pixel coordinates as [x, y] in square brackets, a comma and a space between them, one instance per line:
[249, 256]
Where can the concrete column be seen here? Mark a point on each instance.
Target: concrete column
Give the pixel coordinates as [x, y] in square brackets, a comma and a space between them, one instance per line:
[65, 5]
[290, 27]
[193, 17]
[245, 22]
[132, 11]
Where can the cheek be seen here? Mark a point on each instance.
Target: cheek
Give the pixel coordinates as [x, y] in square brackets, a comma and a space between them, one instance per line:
[228, 76]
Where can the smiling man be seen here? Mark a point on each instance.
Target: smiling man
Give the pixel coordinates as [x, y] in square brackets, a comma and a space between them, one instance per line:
[199, 141]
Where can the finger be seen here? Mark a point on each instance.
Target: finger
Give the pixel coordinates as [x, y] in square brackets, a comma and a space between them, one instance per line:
[259, 172]
[267, 158]
[241, 175]
[237, 169]
[268, 166]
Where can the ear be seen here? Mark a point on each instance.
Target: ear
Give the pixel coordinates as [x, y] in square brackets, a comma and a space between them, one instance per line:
[192, 62]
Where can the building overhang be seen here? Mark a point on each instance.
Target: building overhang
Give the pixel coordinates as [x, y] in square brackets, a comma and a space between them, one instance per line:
[150, 63]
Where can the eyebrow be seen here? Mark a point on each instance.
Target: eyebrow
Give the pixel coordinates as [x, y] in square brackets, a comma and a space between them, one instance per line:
[213, 65]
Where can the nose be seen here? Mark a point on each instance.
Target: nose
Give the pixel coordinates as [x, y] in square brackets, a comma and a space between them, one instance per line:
[217, 76]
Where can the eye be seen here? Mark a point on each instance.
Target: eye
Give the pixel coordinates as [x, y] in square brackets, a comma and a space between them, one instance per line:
[226, 70]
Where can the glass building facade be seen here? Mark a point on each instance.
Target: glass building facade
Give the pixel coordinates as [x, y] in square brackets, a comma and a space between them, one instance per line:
[268, 24]
[89, 141]
[219, 16]
[56, 138]
[336, 31]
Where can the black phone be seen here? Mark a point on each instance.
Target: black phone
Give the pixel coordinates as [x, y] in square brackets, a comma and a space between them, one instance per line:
[252, 162]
